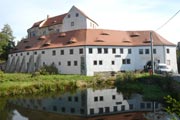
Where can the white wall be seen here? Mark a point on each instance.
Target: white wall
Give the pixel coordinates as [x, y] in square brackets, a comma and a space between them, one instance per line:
[137, 61]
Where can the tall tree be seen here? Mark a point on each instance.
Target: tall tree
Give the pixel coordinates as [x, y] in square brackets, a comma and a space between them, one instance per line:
[8, 32]
[6, 41]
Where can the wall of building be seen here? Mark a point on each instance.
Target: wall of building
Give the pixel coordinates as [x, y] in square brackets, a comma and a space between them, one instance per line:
[110, 59]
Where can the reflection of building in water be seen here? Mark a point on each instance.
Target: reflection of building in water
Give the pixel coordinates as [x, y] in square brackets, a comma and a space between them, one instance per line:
[89, 103]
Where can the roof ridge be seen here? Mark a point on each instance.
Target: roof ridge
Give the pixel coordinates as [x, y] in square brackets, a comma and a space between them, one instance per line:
[85, 14]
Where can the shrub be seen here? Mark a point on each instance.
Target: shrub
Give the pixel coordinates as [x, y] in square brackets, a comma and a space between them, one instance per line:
[48, 69]
[126, 77]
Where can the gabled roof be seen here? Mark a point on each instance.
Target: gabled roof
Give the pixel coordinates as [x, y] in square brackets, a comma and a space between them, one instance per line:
[92, 37]
[50, 21]
[85, 15]
[57, 20]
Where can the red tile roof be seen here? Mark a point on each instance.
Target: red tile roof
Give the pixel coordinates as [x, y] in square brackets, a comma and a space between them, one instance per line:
[94, 37]
[50, 21]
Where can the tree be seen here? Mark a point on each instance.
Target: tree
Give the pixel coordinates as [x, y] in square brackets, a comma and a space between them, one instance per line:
[6, 42]
[178, 59]
[173, 106]
[8, 32]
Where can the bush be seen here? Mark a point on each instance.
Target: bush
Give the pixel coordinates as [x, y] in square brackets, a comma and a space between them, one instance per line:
[48, 69]
[126, 77]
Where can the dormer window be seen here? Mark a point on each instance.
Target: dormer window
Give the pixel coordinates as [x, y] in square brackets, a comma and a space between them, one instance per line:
[72, 23]
[69, 15]
[77, 14]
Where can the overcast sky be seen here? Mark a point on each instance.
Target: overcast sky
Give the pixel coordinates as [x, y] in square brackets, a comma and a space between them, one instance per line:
[109, 14]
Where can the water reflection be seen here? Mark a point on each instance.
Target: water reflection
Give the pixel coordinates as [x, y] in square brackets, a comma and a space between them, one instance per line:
[86, 104]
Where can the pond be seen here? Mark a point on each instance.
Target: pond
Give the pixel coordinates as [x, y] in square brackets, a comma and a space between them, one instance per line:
[88, 104]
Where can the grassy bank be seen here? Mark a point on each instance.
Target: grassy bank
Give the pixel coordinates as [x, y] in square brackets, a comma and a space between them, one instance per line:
[152, 87]
[14, 84]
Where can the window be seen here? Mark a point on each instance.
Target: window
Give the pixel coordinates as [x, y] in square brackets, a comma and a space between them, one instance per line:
[59, 63]
[129, 51]
[95, 62]
[154, 51]
[69, 15]
[21, 54]
[118, 103]
[72, 23]
[57, 30]
[62, 52]
[121, 50]
[107, 109]
[54, 108]
[131, 106]
[113, 97]
[101, 98]
[140, 51]
[82, 111]
[75, 63]
[123, 108]
[99, 50]
[112, 62]
[95, 99]
[27, 53]
[115, 109]
[146, 51]
[69, 98]
[44, 32]
[72, 110]
[114, 50]
[168, 50]
[126, 61]
[76, 99]
[91, 111]
[43, 52]
[90, 50]
[63, 109]
[148, 105]
[100, 62]
[53, 52]
[71, 51]
[68, 63]
[105, 50]
[77, 14]
[101, 110]
[142, 105]
[81, 51]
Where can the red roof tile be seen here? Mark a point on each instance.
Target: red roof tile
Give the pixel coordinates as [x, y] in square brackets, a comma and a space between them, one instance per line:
[95, 37]
[50, 21]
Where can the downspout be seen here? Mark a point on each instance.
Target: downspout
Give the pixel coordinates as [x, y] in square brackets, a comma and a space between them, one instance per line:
[164, 53]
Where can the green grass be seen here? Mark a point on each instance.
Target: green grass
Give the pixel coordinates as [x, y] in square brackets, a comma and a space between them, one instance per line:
[16, 83]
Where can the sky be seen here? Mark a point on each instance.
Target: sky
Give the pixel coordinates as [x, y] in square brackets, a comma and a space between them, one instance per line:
[109, 14]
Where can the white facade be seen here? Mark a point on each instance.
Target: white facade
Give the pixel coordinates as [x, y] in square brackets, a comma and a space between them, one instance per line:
[93, 58]
[75, 20]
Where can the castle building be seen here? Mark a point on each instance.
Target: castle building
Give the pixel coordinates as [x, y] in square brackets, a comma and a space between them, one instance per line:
[75, 45]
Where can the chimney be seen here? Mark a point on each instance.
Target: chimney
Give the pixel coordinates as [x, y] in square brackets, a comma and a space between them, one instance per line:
[47, 16]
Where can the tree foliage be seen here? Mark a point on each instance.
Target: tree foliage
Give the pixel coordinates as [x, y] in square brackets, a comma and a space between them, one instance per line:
[6, 41]
[173, 106]
[178, 59]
